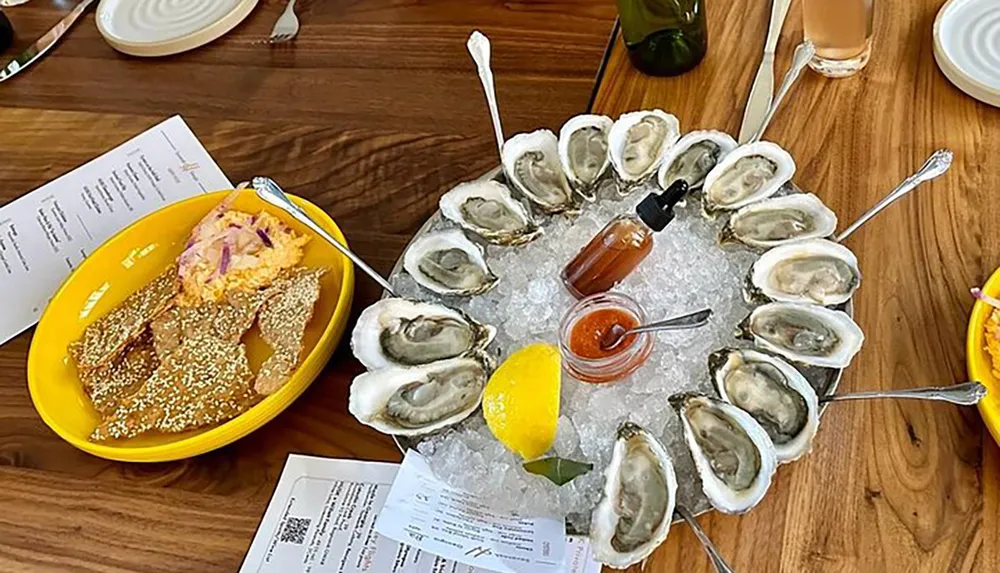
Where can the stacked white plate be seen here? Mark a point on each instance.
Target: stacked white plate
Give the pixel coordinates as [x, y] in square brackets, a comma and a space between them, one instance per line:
[967, 47]
[164, 27]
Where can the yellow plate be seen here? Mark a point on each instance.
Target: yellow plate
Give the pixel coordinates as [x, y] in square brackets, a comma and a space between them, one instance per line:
[978, 359]
[124, 264]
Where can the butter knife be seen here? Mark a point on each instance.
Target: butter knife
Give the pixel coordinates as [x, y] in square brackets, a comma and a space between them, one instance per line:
[763, 85]
[44, 44]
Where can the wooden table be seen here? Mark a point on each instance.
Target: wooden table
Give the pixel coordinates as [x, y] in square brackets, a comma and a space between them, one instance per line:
[375, 111]
[891, 485]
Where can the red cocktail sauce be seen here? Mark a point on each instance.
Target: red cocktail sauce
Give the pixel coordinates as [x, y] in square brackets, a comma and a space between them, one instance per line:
[586, 334]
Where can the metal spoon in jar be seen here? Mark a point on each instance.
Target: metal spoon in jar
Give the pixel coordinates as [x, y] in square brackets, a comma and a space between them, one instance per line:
[617, 333]
[966, 394]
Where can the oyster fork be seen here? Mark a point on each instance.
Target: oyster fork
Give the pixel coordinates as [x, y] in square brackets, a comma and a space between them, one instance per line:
[287, 26]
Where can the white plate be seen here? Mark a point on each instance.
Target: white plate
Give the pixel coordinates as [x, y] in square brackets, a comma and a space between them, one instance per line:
[967, 47]
[164, 27]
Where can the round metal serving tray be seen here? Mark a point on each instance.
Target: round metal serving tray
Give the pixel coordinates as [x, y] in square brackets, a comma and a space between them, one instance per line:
[823, 380]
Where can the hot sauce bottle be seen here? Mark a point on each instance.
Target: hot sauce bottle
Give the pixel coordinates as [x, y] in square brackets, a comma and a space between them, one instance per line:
[620, 246]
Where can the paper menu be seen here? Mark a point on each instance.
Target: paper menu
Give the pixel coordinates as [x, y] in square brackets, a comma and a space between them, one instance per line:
[452, 523]
[45, 234]
[321, 519]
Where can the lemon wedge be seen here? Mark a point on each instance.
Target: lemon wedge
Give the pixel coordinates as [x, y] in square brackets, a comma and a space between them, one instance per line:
[521, 401]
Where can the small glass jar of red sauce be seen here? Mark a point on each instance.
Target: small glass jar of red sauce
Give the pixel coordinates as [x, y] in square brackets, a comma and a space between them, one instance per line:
[586, 323]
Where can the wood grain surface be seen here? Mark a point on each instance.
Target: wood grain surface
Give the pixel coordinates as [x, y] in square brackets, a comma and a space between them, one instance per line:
[891, 485]
[372, 113]
[375, 110]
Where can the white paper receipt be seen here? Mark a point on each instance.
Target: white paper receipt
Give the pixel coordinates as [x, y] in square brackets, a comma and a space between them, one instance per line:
[450, 522]
[322, 519]
[45, 234]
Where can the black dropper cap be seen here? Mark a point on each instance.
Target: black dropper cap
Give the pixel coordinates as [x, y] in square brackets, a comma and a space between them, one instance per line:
[656, 210]
[6, 32]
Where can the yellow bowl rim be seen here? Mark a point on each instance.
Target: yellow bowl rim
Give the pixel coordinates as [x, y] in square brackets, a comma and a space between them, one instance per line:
[240, 426]
[974, 347]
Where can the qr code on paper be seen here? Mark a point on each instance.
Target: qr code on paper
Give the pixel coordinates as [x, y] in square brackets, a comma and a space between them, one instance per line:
[295, 530]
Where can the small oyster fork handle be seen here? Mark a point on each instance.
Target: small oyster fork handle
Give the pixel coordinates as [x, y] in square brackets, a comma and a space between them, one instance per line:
[967, 394]
[803, 53]
[269, 191]
[935, 166]
[479, 48]
[713, 554]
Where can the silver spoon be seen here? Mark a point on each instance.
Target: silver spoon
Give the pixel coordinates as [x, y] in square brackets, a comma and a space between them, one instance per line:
[713, 554]
[479, 47]
[967, 394]
[935, 166]
[803, 53]
[617, 332]
[269, 191]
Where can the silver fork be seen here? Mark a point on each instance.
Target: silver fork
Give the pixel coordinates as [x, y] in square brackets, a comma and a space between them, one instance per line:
[287, 26]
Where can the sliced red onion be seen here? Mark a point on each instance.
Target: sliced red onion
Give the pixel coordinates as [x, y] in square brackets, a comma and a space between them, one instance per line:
[224, 262]
[995, 303]
[265, 237]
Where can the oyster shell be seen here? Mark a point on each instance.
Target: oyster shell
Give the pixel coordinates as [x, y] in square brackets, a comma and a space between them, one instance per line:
[748, 174]
[780, 220]
[583, 152]
[447, 262]
[731, 452]
[531, 163]
[638, 141]
[804, 333]
[487, 209]
[693, 156]
[421, 399]
[634, 514]
[401, 332]
[772, 391]
[816, 272]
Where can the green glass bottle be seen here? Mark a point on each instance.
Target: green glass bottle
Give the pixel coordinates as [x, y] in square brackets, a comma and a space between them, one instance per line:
[664, 37]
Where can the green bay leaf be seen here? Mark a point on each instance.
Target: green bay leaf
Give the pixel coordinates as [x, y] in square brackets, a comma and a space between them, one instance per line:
[558, 470]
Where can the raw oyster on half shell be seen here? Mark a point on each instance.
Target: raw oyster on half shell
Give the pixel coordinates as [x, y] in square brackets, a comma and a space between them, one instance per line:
[731, 452]
[531, 163]
[780, 220]
[748, 174]
[421, 399]
[583, 152]
[815, 272]
[772, 391]
[637, 143]
[634, 514]
[693, 157]
[401, 332]
[447, 262]
[488, 209]
[804, 333]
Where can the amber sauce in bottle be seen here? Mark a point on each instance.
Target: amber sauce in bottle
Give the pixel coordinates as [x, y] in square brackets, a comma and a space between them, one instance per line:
[621, 245]
[609, 257]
